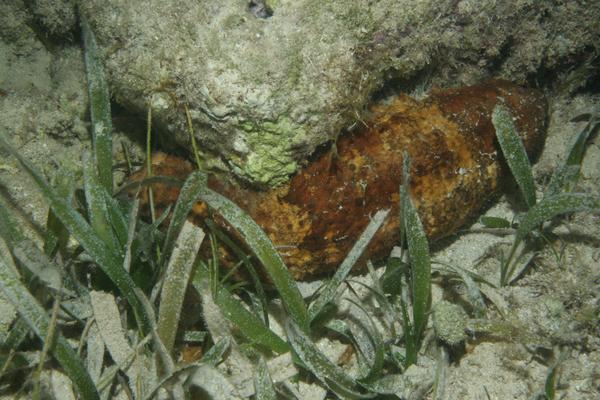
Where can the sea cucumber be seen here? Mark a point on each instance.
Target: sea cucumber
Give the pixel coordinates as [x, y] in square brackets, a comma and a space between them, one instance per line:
[455, 169]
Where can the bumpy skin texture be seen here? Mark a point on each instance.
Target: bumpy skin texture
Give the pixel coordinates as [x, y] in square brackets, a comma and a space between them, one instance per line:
[455, 168]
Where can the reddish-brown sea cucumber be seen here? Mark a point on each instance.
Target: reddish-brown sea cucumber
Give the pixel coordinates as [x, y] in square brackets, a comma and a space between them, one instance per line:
[455, 168]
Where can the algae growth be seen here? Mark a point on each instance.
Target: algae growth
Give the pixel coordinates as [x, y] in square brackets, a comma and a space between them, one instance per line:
[271, 157]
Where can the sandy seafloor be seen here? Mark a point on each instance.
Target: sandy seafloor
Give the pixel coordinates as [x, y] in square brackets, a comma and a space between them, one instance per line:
[43, 112]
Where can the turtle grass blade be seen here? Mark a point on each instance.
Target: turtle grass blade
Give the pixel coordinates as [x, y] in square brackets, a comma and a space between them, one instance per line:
[328, 293]
[43, 268]
[552, 206]
[550, 384]
[519, 266]
[117, 216]
[385, 303]
[546, 209]
[566, 174]
[216, 353]
[263, 385]
[147, 235]
[99, 107]
[391, 280]
[56, 236]
[129, 249]
[177, 277]
[514, 152]
[473, 294]
[316, 362]
[252, 273]
[249, 324]
[260, 244]
[494, 222]
[191, 189]
[105, 256]
[38, 321]
[10, 229]
[398, 385]
[19, 331]
[410, 340]
[368, 341]
[418, 251]
[95, 198]
[552, 378]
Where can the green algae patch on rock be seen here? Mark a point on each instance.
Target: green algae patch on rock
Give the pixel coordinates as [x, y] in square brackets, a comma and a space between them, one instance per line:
[271, 157]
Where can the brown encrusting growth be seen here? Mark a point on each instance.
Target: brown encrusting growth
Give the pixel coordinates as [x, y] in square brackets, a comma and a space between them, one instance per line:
[315, 219]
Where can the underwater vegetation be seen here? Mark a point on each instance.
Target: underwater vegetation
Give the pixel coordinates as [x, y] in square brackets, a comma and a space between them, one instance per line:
[103, 281]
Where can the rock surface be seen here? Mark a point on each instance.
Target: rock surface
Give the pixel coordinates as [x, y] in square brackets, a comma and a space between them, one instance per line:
[264, 89]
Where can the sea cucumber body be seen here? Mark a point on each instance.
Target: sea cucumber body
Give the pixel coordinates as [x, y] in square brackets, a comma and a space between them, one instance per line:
[455, 168]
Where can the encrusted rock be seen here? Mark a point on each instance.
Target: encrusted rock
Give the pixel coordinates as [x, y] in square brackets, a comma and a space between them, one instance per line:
[265, 89]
